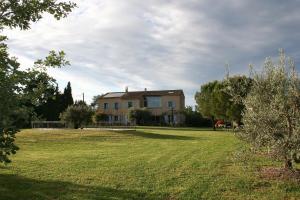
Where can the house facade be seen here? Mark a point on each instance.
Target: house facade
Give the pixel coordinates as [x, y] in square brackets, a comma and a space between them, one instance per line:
[165, 105]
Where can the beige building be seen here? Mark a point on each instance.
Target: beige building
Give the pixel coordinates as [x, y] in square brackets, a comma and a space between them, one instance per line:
[164, 105]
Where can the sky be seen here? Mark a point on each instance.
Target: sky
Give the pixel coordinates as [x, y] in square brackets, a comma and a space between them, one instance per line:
[160, 44]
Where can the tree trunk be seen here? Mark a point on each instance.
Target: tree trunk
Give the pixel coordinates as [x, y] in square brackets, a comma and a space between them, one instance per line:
[213, 122]
[288, 160]
[288, 164]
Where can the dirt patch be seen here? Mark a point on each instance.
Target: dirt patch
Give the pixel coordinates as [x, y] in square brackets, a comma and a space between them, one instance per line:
[280, 173]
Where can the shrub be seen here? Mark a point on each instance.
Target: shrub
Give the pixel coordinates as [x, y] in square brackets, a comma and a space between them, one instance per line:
[78, 114]
[100, 117]
[140, 116]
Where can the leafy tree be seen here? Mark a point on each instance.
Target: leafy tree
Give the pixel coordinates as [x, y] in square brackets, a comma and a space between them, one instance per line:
[236, 88]
[52, 107]
[194, 118]
[140, 116]
[38, 90]
[272, 110]
[94, 103]
[216, 99]
[19, 14]
[100, 117]
[78, 114]
[8, 100]
[206, 100]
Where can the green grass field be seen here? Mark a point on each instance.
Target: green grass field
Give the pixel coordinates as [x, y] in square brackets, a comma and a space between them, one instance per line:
[144, 164]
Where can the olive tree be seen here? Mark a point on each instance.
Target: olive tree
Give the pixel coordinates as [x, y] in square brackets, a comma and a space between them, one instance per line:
[78, 114]
[272, 110]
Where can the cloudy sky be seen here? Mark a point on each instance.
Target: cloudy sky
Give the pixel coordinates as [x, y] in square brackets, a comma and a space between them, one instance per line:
[160, 44]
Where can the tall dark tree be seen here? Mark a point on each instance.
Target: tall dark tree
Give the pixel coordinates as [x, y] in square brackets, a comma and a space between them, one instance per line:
[67, 96]
[51, 109]
[53, 102]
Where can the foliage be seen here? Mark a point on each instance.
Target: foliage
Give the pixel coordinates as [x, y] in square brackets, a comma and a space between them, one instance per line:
[8, 99]
[20, 13]
[15, 94]
[67, 97]
[272, 114]
[237, 88]
[54, 60]
[39, 96]
[216, 99]
[208, 100]
[140, 116]
[94, 103]
[100, 117]
[9, 80]
[7, 146]
[194, 118]
[78, 114]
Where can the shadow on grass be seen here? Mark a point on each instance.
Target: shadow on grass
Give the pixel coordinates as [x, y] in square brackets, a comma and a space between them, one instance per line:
[16, 187]
[156, 135]
[167, 128]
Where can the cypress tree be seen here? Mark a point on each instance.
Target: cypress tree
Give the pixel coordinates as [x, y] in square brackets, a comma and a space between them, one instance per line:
[67, 97]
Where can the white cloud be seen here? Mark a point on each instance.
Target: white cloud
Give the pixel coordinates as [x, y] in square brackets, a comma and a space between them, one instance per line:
[168, 44]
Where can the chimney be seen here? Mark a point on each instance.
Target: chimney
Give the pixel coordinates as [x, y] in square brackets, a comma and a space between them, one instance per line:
[126, 89]
[145, 89]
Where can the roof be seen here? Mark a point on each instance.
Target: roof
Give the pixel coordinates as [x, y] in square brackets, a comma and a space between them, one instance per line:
[140, 94]
[113, 94]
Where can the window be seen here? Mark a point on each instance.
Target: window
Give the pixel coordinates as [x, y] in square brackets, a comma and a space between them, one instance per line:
[116, 118]
[130, 104]
[153, 102]
[105, 106]
[116, 106]
[171, 104]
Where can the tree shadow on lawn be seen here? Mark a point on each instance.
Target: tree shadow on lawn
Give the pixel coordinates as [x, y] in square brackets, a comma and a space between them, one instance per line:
[17, 187]
[156, 135]
[167, 128]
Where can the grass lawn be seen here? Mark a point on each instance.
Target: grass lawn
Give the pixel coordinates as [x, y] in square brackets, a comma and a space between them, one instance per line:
[144, 164]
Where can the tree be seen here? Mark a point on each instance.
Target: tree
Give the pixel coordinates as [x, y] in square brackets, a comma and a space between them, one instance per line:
[194, 118]
[216, 99]
[140, 116]
[19, 14]
[38, 95]
[94, 103]
[52, 107]
[272, 110]
[100, 117]
[236, 88]
[8, 100]
[67, 97]
[54, 102]
[78, 114]
[206, 100]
